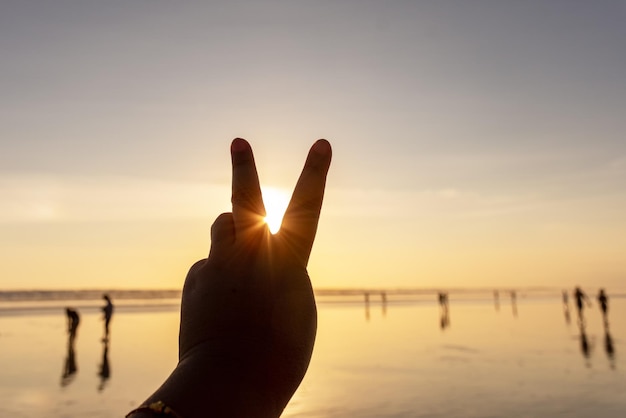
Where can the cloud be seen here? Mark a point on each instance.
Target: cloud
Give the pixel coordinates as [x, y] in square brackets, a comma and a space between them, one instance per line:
[44, 198]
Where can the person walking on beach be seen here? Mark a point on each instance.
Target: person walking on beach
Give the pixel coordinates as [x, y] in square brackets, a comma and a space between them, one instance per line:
[108, 313]
[603, 300]
[580, 297]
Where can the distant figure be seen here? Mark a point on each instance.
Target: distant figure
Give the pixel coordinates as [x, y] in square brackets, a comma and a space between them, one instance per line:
[105, 371]
[444, 321]
[367, 306]
[496, 299]
[383, 296]
[108, 313]
[603, 300]
[580, 297]
[443, 299]
[566, 307]
[514, 302]
[73, 319]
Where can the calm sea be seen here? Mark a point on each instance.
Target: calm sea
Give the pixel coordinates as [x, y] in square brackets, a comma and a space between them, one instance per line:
[408, 357]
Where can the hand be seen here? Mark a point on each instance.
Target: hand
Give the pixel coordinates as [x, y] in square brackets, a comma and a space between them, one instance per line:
[248, 317]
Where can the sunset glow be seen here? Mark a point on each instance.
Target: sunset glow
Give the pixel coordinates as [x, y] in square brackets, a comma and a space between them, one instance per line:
[474, 143]
[276, 201]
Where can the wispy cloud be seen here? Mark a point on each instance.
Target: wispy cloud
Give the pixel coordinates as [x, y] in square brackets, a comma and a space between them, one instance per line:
[44, 198]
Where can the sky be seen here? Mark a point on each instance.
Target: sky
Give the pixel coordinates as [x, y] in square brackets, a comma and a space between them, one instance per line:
[476, 143]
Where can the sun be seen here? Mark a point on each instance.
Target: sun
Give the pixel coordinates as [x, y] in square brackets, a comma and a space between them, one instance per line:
[276, 201]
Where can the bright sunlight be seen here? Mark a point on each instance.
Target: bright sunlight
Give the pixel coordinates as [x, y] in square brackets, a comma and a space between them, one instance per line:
[276, 201]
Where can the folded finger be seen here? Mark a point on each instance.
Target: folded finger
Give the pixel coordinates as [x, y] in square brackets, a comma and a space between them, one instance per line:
[222, 236]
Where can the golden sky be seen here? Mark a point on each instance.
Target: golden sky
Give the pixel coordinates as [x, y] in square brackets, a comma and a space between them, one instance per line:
[475, 143]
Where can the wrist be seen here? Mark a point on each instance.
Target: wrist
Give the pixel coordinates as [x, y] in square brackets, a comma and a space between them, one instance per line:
[222, 388]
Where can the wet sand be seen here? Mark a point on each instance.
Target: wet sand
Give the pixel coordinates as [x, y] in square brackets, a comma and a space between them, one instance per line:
[385, 361]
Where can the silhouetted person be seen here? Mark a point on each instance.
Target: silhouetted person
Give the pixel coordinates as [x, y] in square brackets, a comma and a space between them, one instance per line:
[603, 300]
[566, 307]
[367, 306]
[73, 319]
[69, 366]
[107, 310]
[105, 371]
[444, 321]
[580, 297]
[514, 302]
[384, 301]
[442, 298]
[496, 299]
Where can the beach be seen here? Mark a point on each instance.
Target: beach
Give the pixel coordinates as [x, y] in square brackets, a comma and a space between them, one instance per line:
[393, 359]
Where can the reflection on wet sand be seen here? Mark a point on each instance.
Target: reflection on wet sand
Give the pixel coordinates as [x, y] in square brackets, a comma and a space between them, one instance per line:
[69, 364]
[105, 370]
[609, 348]
[585, 349]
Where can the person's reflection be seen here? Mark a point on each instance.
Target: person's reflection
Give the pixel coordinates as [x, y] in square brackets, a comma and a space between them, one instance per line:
[69, 364]
[568, 317]
[367, 306]
[585, 348]
[105, 370]
[609, 348]
[496, 300]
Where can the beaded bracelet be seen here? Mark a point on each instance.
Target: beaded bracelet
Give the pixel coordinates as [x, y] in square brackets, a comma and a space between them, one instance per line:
[157, 408]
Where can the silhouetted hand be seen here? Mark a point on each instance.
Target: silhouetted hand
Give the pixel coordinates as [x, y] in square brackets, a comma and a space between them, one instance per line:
[248, 317]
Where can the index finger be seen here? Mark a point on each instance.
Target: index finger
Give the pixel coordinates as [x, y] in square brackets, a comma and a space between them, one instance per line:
[302, 215]
[248, 208]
